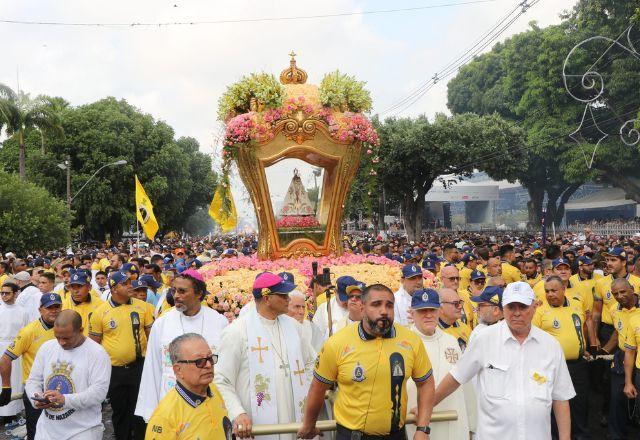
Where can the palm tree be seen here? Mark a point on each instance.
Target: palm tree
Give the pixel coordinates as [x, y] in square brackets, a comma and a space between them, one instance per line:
[19, 113]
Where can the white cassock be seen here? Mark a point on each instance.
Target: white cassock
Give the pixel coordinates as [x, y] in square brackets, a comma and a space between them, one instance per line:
[29, 300]
[401, 307]
[157, 373]
[12, 319]
[232, 373]
[444, 352]
[321, 321]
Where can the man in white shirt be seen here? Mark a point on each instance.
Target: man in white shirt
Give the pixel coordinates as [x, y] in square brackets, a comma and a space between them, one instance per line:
[188, 316]
[29, 298]
[411, 282]
[338, 304]
[521, 375]
[101, 286]
[69, 380]
[264, 365]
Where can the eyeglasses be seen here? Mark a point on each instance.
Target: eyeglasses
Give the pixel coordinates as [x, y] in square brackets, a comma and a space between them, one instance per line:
[455, 304]
[6, 293]
[201, 362]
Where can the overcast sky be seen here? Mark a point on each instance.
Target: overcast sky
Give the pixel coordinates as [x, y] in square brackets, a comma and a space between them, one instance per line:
[177, 73]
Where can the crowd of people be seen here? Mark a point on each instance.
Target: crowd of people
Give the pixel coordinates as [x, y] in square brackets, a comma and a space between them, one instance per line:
[516, 335]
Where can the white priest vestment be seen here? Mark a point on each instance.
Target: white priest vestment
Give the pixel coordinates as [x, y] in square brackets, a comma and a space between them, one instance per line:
[444, 352]
[321, 321]
[157, 374]
[401, 307]
[233, 371]
[12, 319]
[29, 300]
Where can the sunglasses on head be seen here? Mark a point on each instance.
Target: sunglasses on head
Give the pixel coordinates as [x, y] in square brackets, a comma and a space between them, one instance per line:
[201, 362]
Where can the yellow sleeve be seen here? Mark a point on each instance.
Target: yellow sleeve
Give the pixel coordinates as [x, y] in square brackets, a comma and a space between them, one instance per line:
[326, 369]
[95, 324]
[537, 318]
[20, 344]
[422, 368]
[632, 333]
[159, 428]
[148, 315]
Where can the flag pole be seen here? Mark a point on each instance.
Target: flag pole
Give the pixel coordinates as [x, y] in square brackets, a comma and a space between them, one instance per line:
[138, 237]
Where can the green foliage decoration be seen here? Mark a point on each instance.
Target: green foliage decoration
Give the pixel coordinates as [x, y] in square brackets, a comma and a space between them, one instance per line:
[264, 87]
[339, 90]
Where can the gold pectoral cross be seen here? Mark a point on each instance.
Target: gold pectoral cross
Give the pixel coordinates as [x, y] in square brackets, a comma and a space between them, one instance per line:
[259, 349]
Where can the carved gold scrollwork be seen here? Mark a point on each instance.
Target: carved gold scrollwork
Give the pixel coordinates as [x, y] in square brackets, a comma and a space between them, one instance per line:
[298, 131]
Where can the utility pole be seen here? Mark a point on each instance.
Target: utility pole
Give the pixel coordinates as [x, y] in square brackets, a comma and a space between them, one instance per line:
[68, 165]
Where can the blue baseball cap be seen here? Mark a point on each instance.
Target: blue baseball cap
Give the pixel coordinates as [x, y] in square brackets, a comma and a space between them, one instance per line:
[477, 275]
[398, 258]
[150, 281]
[560, 261]
[425, 299]
[429, 264]
[139, 284]
[267, 283]
[468, 257]
[170, 267]
[617, 252]
[130, 267]
[49, 299]
[584, 260]
[287, 276]
[346, 285]
[195, 261]
[79, 278]
[411, 270]
[117, 277]
[490, 294]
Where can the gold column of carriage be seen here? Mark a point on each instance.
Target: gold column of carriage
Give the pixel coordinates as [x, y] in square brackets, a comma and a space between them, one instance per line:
[327, 138]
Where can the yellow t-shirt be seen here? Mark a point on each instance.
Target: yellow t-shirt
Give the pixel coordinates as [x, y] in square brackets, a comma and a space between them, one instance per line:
[182, 415]
[575, 292]
[621, 318]
[3, 278]
[510, 274]
[532, 281]
[85, 309]
[590, 283]
[468, 309]
[632, 338]
[372, 374]
[602, 291]
[465, 278]
[27, 342]
[115, 324]
[458, 330]
[566, 324]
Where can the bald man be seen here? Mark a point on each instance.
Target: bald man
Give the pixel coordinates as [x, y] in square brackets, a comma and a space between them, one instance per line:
[69, 380]
[450, 317]
[450, 277]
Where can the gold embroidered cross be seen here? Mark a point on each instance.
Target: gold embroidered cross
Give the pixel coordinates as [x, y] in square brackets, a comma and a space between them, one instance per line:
[259, 349]
[299, 372]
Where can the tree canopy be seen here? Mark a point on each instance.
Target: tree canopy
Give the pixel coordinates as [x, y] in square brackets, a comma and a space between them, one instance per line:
[176, 176]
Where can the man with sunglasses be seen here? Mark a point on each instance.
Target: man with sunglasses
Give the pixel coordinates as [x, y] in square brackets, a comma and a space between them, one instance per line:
[450, 314]
[188, 316]
[350, 289]
[450, 277]
[193, 408]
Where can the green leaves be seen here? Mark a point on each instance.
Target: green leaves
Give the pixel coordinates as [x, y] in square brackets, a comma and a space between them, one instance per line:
[339, 90]
[264, 87]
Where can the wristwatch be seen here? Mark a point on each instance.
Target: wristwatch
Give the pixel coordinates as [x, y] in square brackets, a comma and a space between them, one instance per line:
[424, 429]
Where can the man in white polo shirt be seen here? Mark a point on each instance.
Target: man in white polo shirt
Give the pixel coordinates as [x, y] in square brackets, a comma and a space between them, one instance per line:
[522, 375]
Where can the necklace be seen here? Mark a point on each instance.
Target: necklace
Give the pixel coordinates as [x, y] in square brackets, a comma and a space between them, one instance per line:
[201, 323]
[283, 365]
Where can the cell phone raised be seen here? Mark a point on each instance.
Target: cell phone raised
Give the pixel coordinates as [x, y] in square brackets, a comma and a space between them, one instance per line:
[41, 399]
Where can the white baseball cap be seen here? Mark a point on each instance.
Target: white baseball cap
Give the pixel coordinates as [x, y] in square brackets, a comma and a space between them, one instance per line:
[519, 292]
[22, 276]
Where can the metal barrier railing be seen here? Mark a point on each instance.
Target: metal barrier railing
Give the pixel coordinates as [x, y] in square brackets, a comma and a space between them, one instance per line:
[330, 425]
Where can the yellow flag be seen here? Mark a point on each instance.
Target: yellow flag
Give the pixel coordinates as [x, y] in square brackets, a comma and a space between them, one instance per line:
[144, 212]
[226, 220]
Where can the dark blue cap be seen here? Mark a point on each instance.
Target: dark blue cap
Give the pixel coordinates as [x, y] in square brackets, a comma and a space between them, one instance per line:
[139, 284]
[167, 259]
[117, 277]
[425, 299]
[617, 252]
[130, 267]
[287, 276]
[150, 281]
[433, 256]
[345, 285]
[196, 262]
[468, 257]
[584, 260]
[429, 264]
[477, 275]
[490, 294]
[560, 261]
[79, 278]
[170, 267]
[267, 283]
[398, 258]
[49, 299]
[411, 270]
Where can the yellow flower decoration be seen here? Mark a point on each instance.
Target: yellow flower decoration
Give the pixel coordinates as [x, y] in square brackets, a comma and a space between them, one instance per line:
[539, 379]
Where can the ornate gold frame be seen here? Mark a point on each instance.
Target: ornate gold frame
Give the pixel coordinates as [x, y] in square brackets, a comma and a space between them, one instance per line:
[309, 140]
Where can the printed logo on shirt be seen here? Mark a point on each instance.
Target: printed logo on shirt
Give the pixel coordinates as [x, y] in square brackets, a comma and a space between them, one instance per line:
[358, 373]
[112, 324]
[608, 295]
[60, 380]
[556, 324]
[619, 325]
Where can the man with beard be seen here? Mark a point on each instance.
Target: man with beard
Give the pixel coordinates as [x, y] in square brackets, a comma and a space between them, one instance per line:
[370, 362]
[188, 316]
[530, 272]
[410, 282]
[586, 273]
[489, 309]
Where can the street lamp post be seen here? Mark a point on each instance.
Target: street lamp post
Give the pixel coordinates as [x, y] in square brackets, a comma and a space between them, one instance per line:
[67, 166]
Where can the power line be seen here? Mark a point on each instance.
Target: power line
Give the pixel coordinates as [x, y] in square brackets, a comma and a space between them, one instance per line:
[239, 20]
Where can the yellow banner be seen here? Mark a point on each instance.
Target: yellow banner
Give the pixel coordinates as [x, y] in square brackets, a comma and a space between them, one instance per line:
[144, 212]
[227, 219]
